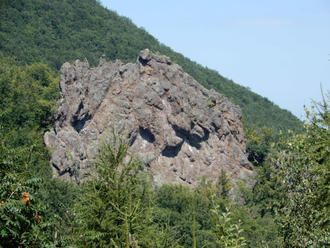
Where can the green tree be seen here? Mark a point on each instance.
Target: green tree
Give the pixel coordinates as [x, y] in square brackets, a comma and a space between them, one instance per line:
[114, 210]
[23, 219]
[223, 185]
[304, 166]
[229, 234]
[258, 143]
[174, 211]
[27, 95]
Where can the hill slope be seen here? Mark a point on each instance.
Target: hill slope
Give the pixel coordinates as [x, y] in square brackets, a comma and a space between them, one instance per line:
[55, 31]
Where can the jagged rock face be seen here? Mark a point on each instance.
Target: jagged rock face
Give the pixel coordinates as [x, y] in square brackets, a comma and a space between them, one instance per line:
[179, 129]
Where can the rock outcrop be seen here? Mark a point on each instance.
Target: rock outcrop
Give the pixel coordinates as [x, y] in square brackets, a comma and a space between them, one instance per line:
[179, 129]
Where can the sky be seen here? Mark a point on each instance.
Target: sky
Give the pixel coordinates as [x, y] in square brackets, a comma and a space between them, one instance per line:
[280, 49]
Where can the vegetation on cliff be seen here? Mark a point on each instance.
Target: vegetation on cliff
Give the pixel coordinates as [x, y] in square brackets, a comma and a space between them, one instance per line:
[36, 211]
[287, 207]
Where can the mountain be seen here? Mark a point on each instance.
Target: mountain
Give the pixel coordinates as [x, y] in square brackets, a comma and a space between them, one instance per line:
[179, 129]
[55, 31]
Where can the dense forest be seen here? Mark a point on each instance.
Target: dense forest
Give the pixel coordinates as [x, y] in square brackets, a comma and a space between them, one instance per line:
[287, 207]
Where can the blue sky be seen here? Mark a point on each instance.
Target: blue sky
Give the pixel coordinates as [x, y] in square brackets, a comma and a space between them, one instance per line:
[280, 49]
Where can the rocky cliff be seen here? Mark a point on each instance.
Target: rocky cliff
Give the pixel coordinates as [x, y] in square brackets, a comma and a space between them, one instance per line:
[179, 129]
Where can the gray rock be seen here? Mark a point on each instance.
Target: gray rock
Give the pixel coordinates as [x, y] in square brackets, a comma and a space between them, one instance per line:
[173, 140]
[180, 130]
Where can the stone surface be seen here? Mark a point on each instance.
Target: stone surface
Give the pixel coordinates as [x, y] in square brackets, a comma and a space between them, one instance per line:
[179, 129]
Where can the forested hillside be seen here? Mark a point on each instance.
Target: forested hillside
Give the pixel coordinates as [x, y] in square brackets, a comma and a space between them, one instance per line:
[56, 31]
[118, 206]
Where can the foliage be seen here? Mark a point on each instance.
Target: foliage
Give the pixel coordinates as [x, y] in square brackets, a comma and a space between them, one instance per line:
[27, 97]
[56, 31]
[266, 192]
[22, 214]
[117, 207]
[223, 185]
[259, 141]
[229, 234]
[196, 217]
[304, 166]
[114, 210]
[187, 213]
